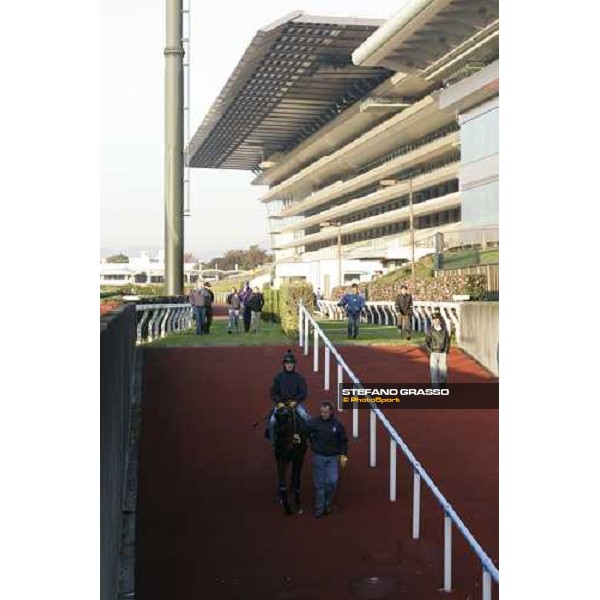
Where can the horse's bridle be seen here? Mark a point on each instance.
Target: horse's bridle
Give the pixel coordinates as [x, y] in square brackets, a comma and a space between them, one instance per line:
[296, 440]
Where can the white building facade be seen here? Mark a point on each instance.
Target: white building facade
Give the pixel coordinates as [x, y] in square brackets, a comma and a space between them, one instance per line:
[372, 127]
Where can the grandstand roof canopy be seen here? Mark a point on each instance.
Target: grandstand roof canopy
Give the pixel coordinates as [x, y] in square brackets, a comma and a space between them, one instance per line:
[424, 31]
[296, 75]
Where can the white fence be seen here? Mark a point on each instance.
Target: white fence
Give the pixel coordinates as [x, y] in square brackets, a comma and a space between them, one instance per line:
[159, 320]
[384, 313]
[221, 297]
[489, 570]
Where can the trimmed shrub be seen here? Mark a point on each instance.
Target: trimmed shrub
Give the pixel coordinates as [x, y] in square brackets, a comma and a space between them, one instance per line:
[290, 295]
[270, 310]
[434, 289]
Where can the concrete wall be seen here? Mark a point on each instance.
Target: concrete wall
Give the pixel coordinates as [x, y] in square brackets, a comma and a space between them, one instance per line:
[117, 352]
[479, 332]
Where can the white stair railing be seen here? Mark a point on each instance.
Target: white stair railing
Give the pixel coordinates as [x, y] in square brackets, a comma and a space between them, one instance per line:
[159, 320]
[305, 323]
[385, 313]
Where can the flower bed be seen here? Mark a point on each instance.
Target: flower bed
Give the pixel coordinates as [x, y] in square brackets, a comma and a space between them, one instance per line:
[108, 306]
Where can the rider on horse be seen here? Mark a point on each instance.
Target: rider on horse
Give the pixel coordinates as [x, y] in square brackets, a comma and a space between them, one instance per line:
[288, 387]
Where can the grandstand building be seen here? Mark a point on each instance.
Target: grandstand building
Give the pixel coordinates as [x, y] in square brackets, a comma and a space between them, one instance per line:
[359, 127]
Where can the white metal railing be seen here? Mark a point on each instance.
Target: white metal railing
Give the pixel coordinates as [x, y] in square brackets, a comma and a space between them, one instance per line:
[159, 320]
[489, 570]
[385, 313]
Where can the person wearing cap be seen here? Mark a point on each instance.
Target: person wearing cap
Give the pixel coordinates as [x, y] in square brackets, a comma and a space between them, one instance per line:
[353, 302]
[404, 307]
[437, 341]
[288, 386]
[329, 444]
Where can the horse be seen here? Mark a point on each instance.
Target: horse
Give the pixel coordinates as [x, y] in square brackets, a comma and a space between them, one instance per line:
[289, 446]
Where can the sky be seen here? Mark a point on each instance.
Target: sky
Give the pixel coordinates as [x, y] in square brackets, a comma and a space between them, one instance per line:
[225, 210]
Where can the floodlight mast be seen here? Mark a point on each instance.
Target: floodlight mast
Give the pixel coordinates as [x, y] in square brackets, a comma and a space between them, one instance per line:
[174, 53]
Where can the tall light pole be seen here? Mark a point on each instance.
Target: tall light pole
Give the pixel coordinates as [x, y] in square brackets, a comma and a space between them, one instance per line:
[339, 247]
[174, 149]
[412, 229]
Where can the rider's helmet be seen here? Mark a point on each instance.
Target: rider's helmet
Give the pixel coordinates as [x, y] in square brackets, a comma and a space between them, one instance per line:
[289, 357]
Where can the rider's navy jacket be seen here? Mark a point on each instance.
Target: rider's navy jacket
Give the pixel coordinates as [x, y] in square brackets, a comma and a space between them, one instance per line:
[288, 386]
[327, 436]
[354, 303]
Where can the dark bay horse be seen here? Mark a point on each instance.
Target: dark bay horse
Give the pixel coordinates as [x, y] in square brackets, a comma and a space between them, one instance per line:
[289, 447]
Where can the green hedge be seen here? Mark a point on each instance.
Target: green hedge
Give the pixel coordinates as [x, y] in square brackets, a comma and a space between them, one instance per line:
[434, 289]
[270, 311]
[290, 295]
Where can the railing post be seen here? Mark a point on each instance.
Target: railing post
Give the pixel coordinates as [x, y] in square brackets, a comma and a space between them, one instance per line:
[416, 505]
[300, 326]
[355, 420]
[340, 379]
[487, 585]
[316, 350]
[447, 553]
[373, 440]
[326, 367]
[306, 335]
[393, 455]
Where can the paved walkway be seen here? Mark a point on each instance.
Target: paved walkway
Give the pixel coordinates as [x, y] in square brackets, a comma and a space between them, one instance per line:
[207, 526]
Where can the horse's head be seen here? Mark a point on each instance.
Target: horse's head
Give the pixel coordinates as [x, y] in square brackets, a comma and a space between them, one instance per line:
[283, 415]
[288, 431]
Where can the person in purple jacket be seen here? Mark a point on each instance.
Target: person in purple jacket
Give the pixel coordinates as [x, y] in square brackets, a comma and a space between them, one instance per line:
[246, 310]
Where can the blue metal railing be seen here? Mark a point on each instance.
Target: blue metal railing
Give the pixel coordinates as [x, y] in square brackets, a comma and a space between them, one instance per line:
[490, 570]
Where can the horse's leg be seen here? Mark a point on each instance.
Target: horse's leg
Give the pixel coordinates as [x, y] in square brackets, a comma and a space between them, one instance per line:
[283, 497]
[296, 473]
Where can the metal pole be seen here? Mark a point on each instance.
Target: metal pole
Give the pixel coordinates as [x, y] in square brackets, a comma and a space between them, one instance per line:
[393, 455]
[412, 230]
[487, 585]
[354, 420]
[306, 334]
[300, 326]
[316, 352]
[174, 149]
[373, 440]
[447, 554]
[416, 504]
[339, 244]
[340, 379]
[326, 367]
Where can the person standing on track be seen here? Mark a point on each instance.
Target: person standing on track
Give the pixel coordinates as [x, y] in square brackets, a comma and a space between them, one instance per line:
[288, 386]
[234, 303]
[404, 307]
[437, 341]
[246, 310]
[198, 299]
[208, 317]
[329, 443]
[256, 304]
[353, 302]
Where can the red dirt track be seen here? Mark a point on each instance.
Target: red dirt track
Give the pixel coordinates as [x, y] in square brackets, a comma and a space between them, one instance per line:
[207, 526]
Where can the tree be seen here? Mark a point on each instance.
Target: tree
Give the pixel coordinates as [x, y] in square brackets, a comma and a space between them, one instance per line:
[244, 259]
[118, 258]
